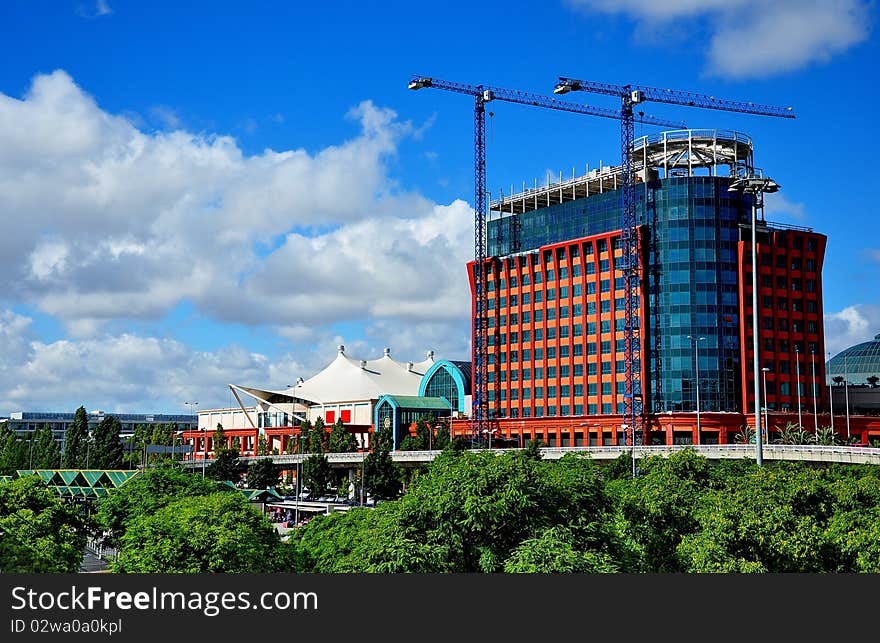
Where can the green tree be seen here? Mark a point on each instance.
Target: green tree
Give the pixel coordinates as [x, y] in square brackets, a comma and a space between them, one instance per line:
[262, 445]
[39, 533]
[162, 434]
[262, 474]
[213, 533]
[382, 476]
[341, 441]
[46, 452]
[12, 453]
[872, 380]
[656, 509]
[302, 440]
[469, 513]
[556, 551]
[76, 440]
[316, 474]
[442, 439]
[235, 443]
[106, 448]
[317, 437]
[147, 492]
[219, 439]
[225, 467]
[771, 519]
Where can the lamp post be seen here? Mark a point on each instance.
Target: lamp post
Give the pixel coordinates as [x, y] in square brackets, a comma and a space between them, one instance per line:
[766, 422]
[797, 383]
[756, 186]
[205, 454]
[697, 341]
[846, 394]
[813, 388]
[831, 397]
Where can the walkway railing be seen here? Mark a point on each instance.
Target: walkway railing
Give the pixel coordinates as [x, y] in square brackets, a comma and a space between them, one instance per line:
[810, 453]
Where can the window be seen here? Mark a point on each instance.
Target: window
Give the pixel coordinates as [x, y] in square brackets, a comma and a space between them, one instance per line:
[563, 272]
[331, 417]
[606, 368]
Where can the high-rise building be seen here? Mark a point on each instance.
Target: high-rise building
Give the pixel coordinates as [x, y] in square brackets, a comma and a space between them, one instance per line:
[556, 297]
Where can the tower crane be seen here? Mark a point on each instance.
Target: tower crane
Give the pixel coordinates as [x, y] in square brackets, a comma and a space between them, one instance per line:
[483, 94]
[630, 95]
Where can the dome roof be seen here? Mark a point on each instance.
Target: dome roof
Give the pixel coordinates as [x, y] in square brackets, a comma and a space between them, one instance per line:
[856, 363]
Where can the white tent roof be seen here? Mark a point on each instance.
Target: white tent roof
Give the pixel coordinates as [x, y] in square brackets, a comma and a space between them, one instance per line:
[346, 379]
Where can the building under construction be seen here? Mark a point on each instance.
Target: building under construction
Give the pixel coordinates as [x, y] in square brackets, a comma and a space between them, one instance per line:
[556, 296]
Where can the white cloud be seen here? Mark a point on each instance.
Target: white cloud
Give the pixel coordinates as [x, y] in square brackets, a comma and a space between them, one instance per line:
[779, 209]
[106, 222]
[101, 8]
[752, 38]
[874, 254]
[166, 116]
[123, 373]
[851, 325]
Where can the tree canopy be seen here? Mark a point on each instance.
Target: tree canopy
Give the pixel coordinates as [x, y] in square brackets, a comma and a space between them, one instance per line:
[76, 440]
[517, 513]
[106, 449]
[217, 532]
[145, 494]
[39, 533]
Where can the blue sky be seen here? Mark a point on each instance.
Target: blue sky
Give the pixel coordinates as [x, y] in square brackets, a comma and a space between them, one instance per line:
[223, 192]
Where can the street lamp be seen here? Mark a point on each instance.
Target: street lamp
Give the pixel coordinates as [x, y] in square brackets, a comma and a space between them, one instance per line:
[205, 454]
[813, 388]
[797, 383]
[846, 394]
[756, 186]
[697, 341]
[831, 397]
[766, 421]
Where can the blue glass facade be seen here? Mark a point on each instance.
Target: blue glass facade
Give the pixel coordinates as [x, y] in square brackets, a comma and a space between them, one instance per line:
[691, 234]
